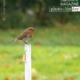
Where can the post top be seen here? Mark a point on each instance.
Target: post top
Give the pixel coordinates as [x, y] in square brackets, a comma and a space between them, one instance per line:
[27, 46]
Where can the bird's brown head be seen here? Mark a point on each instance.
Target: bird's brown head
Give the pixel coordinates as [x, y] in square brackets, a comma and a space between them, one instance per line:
[31, 31]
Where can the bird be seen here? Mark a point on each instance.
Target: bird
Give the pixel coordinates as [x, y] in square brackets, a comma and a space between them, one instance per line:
[25, 35]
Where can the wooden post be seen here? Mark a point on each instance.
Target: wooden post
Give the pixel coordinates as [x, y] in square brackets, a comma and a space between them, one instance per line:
[27, 61]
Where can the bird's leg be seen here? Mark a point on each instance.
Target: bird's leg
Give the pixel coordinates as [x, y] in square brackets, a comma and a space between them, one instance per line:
[25, 42]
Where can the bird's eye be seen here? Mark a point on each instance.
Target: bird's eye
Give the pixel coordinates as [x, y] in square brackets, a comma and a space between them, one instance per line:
[30, 29]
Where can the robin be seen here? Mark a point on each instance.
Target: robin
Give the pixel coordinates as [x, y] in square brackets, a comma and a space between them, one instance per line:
[25, 35]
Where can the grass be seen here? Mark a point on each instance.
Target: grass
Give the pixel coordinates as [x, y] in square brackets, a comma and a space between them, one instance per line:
[55, 54]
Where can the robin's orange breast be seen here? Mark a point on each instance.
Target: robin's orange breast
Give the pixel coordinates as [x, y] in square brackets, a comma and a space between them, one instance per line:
[31, 33]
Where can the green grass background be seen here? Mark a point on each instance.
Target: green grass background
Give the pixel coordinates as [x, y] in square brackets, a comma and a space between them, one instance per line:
[55, 54]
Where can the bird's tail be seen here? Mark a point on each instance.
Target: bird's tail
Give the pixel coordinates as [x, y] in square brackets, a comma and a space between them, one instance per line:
[12, 40]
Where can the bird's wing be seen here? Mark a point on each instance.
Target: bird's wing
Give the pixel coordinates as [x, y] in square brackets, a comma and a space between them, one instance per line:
[23, 35]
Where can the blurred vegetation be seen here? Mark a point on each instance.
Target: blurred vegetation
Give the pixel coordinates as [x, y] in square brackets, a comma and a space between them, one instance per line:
[46, 36]
[55, 54]
[22, 13]
[55, 45]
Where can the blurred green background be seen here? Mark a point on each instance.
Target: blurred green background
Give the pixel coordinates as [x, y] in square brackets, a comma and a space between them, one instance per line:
[55, 45]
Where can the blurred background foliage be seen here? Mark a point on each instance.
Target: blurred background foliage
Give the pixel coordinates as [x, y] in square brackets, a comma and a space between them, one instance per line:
[33, 13]
[55, 45]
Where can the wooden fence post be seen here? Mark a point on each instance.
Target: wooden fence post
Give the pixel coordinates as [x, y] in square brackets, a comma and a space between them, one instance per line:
[27, 61]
